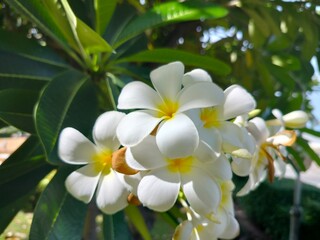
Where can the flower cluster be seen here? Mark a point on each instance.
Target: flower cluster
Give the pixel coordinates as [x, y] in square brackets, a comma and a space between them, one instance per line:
[182, 142]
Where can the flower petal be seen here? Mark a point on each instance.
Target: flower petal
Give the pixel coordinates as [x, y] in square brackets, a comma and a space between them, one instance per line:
[183, 231]
[167, 79]
[201, 191]
[177, 137]
[135, 126]
[82, 183]
[75, 148]
[111, 194]
[232, 229]
[237, 102]
[145, 155]
[212, 137]
[138, 95]
[235, 137]
[200, 95]
[104, 130]
[258, 128]
[204, 153]
[220, 168]
[196, 76]
[241, 166]
[159, 189]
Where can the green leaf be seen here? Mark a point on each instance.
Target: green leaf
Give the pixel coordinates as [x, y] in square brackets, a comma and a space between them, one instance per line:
[138, 221]
[50, 18]
[165, 55]
[306, 147]
[29, 75]
[90, 40]
[87, 39]
[9, 211]
[16, 108]
[19, 176]
[297, 158]
[69, 100]
[286, 61]
[170, 12]
[310, 131]
[258, 21]
[26, 158]
[58, 214]
[115, 227]
[22, 185]
[30, 49]
[103, 13]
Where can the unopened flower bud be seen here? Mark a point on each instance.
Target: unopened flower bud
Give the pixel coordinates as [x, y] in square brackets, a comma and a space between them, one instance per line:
[119, 163]
[295, 119]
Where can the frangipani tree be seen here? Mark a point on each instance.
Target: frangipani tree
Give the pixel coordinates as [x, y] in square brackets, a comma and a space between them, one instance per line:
[80, 58]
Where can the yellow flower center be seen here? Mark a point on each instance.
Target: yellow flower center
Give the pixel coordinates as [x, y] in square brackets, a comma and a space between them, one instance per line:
[103, 162]
[210, 117]
[167, 109]
[182, 165]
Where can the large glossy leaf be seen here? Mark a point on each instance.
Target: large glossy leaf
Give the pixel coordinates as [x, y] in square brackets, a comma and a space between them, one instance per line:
[19, 176]
[30, 49]
[116, 227]
[9, 211]
[87, 39]
[20, 72]
[16, 108]
[26, 158]
[170, 12]
[57, 214]
[103, 13]
[165, 55]
[50, 18]
[68, 101]
[57, 20]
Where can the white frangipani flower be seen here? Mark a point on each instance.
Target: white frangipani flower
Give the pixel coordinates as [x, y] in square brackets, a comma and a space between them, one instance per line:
[163, 110]
[222, 225]
[268, 155]
[163, 177]
[213, 121]
[75, 148]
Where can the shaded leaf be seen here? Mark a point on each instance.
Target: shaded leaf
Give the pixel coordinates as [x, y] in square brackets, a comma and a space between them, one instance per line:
[306, 147]
[116, 227]
[103, 13]
[57, 213]
[165, 55]
[170, 12]
[50, 18]
[138, 221]
[297, 158]
[68, 101]
[16, 108]
[29, 75]
[310, 131]
[19, 176]
[25, 159]
[30, 49]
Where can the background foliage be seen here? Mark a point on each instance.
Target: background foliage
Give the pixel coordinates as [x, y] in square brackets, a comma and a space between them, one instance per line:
[62, 63]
